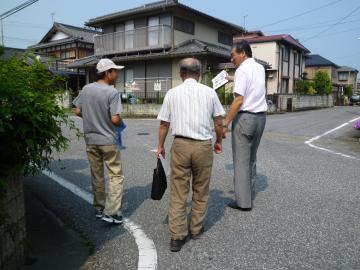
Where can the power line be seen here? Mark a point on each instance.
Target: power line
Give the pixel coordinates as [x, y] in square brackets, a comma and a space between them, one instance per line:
[17, 9]
[333, 25]
[301, 14]
[309, 27]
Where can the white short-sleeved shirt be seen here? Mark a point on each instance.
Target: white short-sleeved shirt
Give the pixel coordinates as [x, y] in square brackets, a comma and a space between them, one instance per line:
[190, 108]
[249, 82]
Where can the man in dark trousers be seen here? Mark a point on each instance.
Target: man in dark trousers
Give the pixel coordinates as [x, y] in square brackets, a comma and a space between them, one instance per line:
[190, 109]
[99, 105]
[248, 116]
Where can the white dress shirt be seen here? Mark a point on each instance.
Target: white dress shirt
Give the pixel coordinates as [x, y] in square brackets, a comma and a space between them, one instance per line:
[190, 108]
[249, 82]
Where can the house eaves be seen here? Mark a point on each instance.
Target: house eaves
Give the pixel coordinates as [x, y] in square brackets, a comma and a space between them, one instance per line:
[168, 5]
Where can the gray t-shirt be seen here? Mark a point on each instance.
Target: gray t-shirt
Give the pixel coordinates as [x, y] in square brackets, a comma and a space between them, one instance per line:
[98, 102]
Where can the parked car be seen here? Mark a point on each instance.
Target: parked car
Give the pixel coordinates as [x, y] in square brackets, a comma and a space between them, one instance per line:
[355, 99]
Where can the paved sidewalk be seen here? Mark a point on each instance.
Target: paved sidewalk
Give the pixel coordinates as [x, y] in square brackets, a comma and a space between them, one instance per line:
[52, 245]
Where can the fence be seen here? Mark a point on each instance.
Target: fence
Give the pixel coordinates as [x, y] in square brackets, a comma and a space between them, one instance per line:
[145, 90]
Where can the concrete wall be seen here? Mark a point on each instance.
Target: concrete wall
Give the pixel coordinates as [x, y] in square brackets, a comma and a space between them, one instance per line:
[304, 102]
[141, 110]
[64, 100]
[12, 228]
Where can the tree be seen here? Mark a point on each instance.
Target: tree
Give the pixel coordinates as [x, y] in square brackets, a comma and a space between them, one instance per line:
[304, 86]
[322, 83]
[30, 118]
[348, 90]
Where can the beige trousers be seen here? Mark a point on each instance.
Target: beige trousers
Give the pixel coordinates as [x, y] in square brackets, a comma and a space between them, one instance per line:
[110, 155]
[189, 158]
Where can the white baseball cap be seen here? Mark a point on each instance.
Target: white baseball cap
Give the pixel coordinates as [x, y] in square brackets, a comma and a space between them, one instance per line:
[106, 64]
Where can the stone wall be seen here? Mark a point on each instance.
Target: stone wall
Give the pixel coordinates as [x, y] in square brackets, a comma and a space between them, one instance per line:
[304, 102]
[12, 223]
[141, 110]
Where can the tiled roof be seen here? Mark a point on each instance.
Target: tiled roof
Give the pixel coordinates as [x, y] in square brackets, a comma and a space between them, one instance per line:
[285, 38]
[157, 6]
[347, 69]
[192, 47]
[195, 46]
[74, 33]
[315, 60]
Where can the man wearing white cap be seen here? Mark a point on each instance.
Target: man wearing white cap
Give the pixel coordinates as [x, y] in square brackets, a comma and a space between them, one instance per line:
[99, 105]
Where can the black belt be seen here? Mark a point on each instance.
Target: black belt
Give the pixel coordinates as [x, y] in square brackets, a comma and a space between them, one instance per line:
[255, 113]
[186, 138]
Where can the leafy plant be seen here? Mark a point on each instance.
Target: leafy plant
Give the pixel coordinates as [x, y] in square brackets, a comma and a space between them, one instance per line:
[322, 83]
[312, 91]
[30, 118]
[348, 90]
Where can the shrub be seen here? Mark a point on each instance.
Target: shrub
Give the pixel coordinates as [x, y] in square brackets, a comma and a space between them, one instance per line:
[348, 91]
[322, 83]
[30, 118]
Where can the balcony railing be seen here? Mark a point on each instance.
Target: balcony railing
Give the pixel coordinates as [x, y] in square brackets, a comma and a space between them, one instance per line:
[62, 65]
[146, 38]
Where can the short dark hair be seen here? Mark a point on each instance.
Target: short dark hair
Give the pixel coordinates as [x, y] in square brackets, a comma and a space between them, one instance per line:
[243, 46]
[101, 75]
[192, 68]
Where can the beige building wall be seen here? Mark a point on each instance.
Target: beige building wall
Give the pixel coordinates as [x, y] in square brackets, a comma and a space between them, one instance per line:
[352, 79]
[331, 71]
[267, 52]
[202, 32]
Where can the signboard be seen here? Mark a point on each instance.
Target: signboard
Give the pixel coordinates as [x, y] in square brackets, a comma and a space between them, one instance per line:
[220, 80]
[157, 86]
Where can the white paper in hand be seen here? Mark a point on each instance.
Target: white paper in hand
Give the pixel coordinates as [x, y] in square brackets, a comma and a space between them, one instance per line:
[220, 79]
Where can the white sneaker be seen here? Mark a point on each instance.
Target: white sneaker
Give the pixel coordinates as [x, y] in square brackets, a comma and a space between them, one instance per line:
[114, 219]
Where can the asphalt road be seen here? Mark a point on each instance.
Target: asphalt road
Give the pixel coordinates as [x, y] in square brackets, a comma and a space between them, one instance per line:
[306, 213]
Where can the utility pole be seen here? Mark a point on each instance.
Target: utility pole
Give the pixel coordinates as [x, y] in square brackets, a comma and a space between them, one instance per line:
[11, 12]
[245, 20]
[53, 17]
[2, 33]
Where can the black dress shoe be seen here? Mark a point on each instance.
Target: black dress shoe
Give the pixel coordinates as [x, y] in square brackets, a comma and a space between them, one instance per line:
[176, 245]
[233, 205]
[198, 235]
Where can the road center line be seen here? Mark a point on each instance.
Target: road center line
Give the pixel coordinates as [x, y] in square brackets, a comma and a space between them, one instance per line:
[146, 246]
[310, 142]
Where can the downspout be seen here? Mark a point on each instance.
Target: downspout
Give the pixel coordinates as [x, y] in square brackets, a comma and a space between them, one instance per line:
[278, 81]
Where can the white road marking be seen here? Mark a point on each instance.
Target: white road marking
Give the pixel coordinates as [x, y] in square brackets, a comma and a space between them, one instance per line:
[310, 142]
[146, 246]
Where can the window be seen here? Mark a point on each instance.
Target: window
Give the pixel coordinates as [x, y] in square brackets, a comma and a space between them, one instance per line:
[184, 25]
[129, 76]
[285, 54]
[297, 58]
[129, 34]
[153, 31]
[225, 39]
[343, 76]
[67, 54]
[285, 86]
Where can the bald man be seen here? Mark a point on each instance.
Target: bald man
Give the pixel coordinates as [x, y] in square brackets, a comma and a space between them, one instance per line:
[190, 109]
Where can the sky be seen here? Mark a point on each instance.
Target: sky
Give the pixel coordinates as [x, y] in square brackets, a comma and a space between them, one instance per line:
[330, 28]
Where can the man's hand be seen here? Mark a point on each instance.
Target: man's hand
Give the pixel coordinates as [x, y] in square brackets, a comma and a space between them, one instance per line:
[230, 78]
[160, 152]
[217, 148]
[225, 130]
